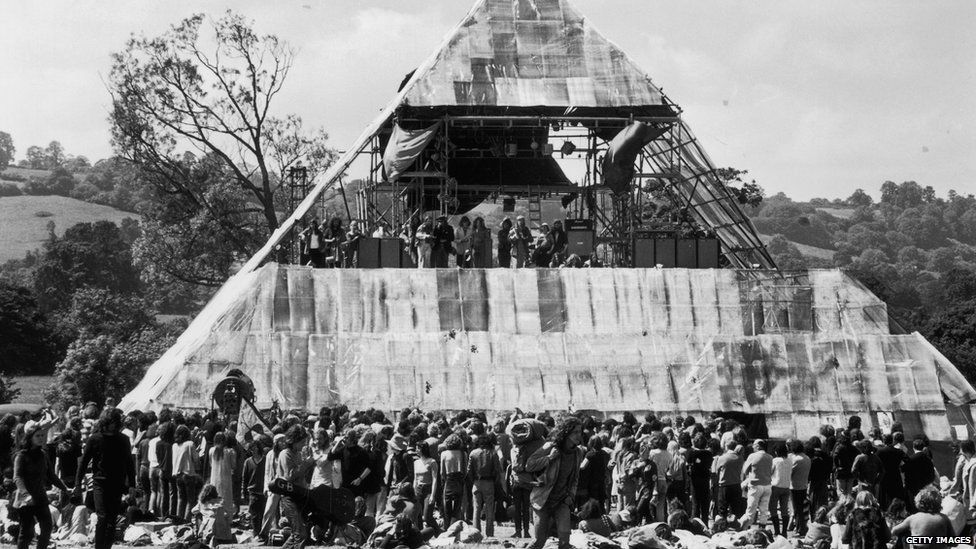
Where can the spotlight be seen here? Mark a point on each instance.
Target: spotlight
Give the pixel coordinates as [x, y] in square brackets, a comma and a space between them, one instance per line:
[511, 149]
[547, 149]
[567, 148]
[534, 145]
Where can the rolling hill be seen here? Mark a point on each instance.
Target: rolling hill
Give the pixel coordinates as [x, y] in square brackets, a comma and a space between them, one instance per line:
[24, 220]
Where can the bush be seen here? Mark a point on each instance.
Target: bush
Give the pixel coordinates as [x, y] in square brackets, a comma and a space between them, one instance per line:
[9, 189]
[43, 213]
[10, 176]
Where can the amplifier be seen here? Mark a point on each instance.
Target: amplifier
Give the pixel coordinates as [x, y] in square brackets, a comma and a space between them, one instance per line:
[578, 225]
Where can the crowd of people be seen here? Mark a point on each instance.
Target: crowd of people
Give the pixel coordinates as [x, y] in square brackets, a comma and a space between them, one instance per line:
[436, 243]
[416, 475]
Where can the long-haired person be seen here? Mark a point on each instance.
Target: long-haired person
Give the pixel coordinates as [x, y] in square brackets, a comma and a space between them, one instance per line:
[222, 462]
[113, 472]
[185, 472]
[32, 470]
[558, 463]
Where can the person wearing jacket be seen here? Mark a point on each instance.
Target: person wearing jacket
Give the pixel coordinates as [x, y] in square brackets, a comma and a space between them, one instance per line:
[557, 463]
[484, 470]
[113, 472]
[32, 470]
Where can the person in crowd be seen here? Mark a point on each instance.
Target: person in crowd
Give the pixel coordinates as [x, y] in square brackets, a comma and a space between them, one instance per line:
[843, 459]
[484, 470]
[627, 469]
[463, 242]
[819, 528]
[222, 463]
[800, 465]
[215, 521]
[727, 473]
[677, 474]
[919, 472]
[480, 245]
[113, 473]
[557, 462]
[928, 521]
[821, 465]
[425, 244]
[700, 474]
[273, 501]
[867, 468]
[892, 459]
[866, 527]
[656, 450]
[8, 428]
[521, 238]
[160, 469]
[758, 473]
[333, 238]
[593, 475]
[185, 471]
[453, 468]
[559, 239]
[505, 244]
[649, 492]
[32, 472]
[68, 452]
[959, 488]
[254, 486]
[327, 470]
[443, 245]
[779, 498]
[425, 477]
[898, 439]
[542, 255]
[292, 465]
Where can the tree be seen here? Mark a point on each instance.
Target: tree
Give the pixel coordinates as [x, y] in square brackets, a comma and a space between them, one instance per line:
[7, 150]
[27, 344]
[860, 198]
[60, 182]
[951, 331]
[36, 158]
[54, 154]
[175, 92]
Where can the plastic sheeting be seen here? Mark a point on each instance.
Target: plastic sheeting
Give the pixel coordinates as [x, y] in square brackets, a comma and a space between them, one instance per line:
[403, 149]
[801, 350]
[529, 53]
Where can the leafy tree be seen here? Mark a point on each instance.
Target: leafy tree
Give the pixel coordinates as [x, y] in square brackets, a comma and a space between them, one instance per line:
[7, 150]
[54, 153]
[75, 164]
[27, 343]
[87, 255]
[860, 198]
[786, 254]
[60, 182]
[9, 189]
[36, 158]
[175, 92]
[951, 331]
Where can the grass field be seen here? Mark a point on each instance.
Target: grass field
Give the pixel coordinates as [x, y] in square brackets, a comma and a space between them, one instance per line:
[22, 172]
[809, 251]
[32, 388]
[22, 229]
[839, 213]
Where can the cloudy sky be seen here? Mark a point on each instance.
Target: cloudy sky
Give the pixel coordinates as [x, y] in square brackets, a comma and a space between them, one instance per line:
[814, 98]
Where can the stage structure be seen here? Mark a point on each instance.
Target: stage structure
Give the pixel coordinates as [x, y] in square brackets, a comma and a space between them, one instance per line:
[480, 119]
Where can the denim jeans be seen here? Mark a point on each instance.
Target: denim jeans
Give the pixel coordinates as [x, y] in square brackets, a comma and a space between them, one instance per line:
[544, 520]
[30, 515]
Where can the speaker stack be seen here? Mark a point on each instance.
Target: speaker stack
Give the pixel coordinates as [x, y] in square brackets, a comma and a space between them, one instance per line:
[580, 237]
[651, 250]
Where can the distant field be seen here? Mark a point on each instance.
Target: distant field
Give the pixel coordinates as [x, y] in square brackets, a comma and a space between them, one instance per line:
[21, 230]
[23, 172]
[32, 388]
[840, 213]
[809, 251]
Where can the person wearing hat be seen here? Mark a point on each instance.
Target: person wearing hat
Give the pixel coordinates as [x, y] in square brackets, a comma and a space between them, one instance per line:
[113, 472]
[443, 242]
[520, 237]
[32, 470]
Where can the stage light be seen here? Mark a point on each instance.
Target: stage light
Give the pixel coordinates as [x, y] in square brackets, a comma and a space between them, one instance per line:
[547, 149]
[567, 148]
[508, 204]
[534, 145]
[511, 149]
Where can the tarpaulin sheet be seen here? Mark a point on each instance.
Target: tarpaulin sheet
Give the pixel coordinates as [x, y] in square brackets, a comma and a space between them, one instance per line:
[529, 53]
[403, 148]
[667, 340]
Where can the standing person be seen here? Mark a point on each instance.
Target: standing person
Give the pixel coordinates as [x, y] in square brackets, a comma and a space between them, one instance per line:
[520, 237]
[727, 469]
[68, 452]
[819, 479]
[779, 499]
[425, 244]
[314, 244]
[542, 254]
[799, 480]
[7, 429]
[32, 471]
[333, 238]
[557, 463]
[443, 242]
[222, 462]
[480, 245]
[113, 472]
[627, 468]
[425, 479]
[866, 469]
[159, 490]
[453, 466]
[700, 472]
[662, 460]
[919, 472]
[462, 242]
[292, 466]
[271, 506]
[328, 470]
[843, 459]
[678, 475]
[758, 473]
[891, 485]
[505, 244]
[866, 526]
[559, 238]
[185, 467]
[593, 475]
[351, 245]
[253, 486]
[484, 470]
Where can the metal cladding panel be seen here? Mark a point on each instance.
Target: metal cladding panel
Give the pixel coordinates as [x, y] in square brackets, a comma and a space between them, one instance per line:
[667, 340]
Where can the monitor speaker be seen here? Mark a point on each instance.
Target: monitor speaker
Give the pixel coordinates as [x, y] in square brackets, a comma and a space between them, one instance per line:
[687, 257]
[644, 253]
[390, 253]
[708, 253]
[665, 252]
[580, 242]
[369, 253]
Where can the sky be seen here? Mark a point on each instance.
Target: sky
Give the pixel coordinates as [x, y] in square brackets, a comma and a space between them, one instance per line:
[815, 99]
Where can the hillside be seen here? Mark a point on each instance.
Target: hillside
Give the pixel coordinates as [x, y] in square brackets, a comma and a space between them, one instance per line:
[24, 220]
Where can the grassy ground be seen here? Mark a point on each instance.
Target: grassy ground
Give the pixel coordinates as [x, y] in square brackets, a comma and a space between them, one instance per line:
[809, 251]
[24, 219]
[32, 388]
[840, 213]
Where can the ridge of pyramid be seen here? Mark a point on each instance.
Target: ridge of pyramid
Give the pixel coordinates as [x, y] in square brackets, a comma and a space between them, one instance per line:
[523, 53]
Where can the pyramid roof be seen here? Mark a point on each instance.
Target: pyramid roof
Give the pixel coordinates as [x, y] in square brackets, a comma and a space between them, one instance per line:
[521, 53]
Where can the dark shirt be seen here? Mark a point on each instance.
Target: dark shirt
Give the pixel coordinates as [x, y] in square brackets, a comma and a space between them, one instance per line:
[110, 459]
[32, 472]
[919, 472]
[819, 468]
[700, 464]
[866, 529]
[68, 453]
[844, 456]
[443, 236]
[866, 468]
[253, 477]
[560, 488]
[891, 461]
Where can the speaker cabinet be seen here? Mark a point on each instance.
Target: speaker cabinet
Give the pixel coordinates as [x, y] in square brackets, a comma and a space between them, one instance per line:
[390, 253]
[687, 257]
[708, 253]
[665, 252]
[580, 242]
[644, 253]
[369, 253]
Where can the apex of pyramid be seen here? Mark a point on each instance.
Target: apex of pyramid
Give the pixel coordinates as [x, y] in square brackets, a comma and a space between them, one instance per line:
[523, 53]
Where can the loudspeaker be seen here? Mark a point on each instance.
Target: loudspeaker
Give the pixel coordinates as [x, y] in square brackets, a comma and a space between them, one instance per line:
[644, 253]
[578, 224]
[687, 253]
[390, 253]
[708, 253]
[369, 253]
[580, 242]
[665, 252]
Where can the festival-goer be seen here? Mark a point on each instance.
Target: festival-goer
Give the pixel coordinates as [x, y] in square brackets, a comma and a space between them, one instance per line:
[484, 470]
[844, 455]
[779, 498]
[462, 242]
[254, 486]
[185, 472]
[333, 238]
[866, 527]
[505, 244]
[919, 472]
[892, 459]
[480, 245]
[521, 237]
[292, 466]
[867, 468]
[758, 473]
[558, 463]
[928, 521]
[109, 455]
[453, 467]
[425, 477]
[727, 471]
[351, 245]
[800, 465]
[700, 473]
[424, 239]
[222, 461]
[32, 471]
[443, 245]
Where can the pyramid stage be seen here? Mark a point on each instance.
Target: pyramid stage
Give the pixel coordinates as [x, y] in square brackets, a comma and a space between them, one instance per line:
[482, 118]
